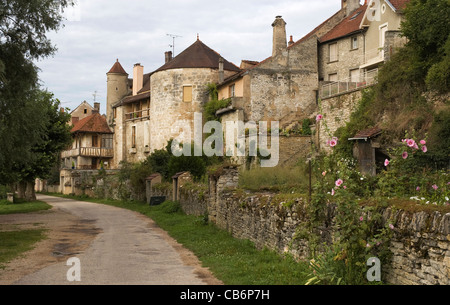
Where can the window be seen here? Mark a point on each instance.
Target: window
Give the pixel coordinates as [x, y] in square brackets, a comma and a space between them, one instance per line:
[233, 90]
[354, 43]
[107, 141]
[354, 75]
[187, 94]
[85, 110]
[333, 52]
[133, 136]
[333, 77]
[383, 30]
[94, 140]
[115, 112]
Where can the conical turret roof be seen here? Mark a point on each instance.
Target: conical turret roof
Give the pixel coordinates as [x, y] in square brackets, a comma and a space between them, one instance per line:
[198, 55]
[117, 68]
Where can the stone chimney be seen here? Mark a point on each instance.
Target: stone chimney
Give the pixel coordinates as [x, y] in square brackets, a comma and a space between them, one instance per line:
[221, 71]
[291, 41]
[279, 36]
[168, 56]
[96, 108]
[350, 6]
[138, 78]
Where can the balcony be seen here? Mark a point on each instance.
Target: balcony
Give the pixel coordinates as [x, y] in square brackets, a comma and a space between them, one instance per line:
[94, 152]
[138, 115]
[346, 85]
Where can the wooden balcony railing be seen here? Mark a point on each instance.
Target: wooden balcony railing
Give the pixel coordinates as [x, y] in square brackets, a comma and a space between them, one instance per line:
[96, 152]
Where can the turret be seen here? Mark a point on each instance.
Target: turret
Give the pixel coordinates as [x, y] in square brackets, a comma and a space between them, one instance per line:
[117, 88]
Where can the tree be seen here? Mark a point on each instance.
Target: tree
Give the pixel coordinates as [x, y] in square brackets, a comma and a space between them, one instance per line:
[23, 28]
[55, 137]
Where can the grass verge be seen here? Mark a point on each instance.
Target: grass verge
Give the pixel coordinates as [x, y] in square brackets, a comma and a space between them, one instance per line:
[233, 261]
[14, 243]
[7, 207]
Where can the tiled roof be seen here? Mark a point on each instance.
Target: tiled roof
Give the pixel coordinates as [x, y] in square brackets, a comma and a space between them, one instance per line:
[399, 4]
[95, 123]
[348, 26]
[136, 98]
[367, 133]
[117, 68]
[198, 55]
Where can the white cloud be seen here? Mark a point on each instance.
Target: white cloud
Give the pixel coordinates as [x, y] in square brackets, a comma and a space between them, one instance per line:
[136, 31]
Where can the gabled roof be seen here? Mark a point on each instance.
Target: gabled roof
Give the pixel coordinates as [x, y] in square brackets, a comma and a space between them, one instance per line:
[398, 4]
[198, 55]
[346, 27]
[95, 123]
[367, 134]
[117, 68]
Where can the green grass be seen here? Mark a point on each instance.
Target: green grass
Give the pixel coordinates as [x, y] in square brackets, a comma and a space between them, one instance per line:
[14, 243]
[7, 207]
[233, 261]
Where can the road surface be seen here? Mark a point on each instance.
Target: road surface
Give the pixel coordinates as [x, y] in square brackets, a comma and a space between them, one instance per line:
[128, 250]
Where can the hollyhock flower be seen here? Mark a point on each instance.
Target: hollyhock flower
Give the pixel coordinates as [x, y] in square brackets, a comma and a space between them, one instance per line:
[333, 143]
[410, 142]
[386, 162]
[391, 226]
[339, 182]
[435, 187]
[332, 192]
[424, 149]
[423, 142]
[361, 218]
[415, 146]
[324, 173]
[345, 187]
[418, 188]
[319, 117]
[404, 155]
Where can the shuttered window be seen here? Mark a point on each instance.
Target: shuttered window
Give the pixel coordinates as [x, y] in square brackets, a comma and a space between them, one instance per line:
[333, 51]
[187, 94]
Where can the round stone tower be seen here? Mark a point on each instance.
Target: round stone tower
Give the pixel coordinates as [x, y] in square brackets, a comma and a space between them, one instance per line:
[179, 90]
[117, 88]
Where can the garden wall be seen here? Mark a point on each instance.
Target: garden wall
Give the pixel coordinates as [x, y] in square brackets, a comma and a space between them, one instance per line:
[420, 243]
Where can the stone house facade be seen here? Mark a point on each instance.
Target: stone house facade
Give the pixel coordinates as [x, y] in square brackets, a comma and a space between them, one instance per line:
[150, 109]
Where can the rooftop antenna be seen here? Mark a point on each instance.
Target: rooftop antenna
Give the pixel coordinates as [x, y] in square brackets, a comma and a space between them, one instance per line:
[173, 43]
[95, 95]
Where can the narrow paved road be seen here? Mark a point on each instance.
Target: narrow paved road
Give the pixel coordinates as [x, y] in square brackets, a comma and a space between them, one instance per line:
[127, 251]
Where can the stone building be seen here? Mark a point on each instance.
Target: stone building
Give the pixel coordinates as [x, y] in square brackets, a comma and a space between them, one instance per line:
[150, 109]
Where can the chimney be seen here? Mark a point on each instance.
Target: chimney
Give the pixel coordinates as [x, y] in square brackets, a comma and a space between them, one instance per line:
[138, 78]
[168, 56]
[279, 36]
[221, 71]
[96, 108]
[350, 6]
[291, 41]
[61, 109]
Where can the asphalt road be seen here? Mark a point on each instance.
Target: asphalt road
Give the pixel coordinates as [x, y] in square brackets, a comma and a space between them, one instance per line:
[127, 251]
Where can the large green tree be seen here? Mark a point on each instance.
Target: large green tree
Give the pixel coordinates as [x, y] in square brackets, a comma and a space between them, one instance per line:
[24, 25]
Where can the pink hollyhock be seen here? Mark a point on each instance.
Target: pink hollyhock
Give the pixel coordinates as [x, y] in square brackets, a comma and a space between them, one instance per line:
[339, 182]
[410, 142]
[404, 155]
[333, 143]
[423, 142]
[319, 117]
[361, 218]
[391, 226]
[386, 162]
[435, 187]
[332, 192]
[418, 188]
[424, 149]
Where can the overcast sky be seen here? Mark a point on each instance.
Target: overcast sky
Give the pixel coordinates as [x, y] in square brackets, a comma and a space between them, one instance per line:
[97, 32]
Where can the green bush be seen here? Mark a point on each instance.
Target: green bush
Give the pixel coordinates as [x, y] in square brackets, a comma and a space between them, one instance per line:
[171, 207]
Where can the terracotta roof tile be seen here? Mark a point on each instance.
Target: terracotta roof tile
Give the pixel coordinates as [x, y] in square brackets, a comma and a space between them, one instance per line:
[198, 55]
[117, 68]
[95, 123]
[399, 4]
[346, 27]
[368, 133]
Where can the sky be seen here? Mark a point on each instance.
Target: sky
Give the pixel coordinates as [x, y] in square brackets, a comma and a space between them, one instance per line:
[97, 32]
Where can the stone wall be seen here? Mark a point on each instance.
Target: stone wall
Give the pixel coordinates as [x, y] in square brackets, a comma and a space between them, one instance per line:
[420, 244]
[336, 112]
